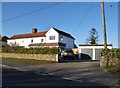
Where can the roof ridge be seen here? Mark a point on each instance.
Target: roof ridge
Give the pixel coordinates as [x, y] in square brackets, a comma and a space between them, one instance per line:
[29, 35]
[40, 34]
[60, 30]
[64, 33]
[32, 33]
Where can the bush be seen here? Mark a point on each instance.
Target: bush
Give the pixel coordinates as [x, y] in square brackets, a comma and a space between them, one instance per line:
[6, 48]
[112, 53]
[22, 50]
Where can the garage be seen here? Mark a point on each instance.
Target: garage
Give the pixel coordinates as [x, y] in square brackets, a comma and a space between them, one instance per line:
[91, 51]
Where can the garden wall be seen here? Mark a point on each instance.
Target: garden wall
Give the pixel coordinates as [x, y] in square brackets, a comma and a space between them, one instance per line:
[111, 62]
[113, 56]
[46, 57]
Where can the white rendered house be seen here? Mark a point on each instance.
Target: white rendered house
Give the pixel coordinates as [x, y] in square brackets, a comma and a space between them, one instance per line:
[51, 38]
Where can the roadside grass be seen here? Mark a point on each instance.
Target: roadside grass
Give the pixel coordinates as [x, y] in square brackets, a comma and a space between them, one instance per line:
[24, 62]
[115, 70]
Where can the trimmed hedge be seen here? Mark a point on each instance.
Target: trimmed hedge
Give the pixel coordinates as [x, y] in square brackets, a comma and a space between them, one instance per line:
[112, 53]
[22, 50]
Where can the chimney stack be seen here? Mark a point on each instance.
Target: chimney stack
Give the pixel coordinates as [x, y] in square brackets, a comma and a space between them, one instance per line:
[34, 30]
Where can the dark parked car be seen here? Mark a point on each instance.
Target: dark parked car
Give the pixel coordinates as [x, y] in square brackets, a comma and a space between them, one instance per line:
[67, 54]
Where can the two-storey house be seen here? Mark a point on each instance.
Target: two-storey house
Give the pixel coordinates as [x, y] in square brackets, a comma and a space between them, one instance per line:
[51, 38]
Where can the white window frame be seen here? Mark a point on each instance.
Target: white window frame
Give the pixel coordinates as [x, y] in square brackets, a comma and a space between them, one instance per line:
[52, 37]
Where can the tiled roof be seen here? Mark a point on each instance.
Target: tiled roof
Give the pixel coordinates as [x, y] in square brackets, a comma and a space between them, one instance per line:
[63, 33]
[30, 35]
[47, 44]
[39, 34]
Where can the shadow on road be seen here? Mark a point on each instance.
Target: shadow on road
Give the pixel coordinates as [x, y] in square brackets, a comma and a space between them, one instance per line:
[13, 77]
[76, 60]
[84, 58]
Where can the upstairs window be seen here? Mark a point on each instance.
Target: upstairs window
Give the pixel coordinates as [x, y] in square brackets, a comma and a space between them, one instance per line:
[51, 37]
[61, 38]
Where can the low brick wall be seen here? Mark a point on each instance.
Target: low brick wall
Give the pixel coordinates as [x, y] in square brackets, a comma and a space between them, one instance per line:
[30, 56]
[112, 62]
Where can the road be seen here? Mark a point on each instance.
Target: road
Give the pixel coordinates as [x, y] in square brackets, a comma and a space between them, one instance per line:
[85, 74]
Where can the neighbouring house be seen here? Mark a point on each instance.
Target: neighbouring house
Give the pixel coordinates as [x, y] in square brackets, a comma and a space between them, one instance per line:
[3, 40]
[91, 51]
[51, 38]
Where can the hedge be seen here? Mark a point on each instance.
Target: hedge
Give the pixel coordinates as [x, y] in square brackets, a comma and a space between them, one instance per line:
[22, 50]
[112, 53]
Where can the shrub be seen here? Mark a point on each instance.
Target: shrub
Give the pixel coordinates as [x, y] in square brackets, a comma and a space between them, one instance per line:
[6, 48]
[112, 53]
[22, 50]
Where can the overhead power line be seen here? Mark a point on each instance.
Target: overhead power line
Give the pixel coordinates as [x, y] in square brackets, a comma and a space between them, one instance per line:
[84, 16]
[31, 12]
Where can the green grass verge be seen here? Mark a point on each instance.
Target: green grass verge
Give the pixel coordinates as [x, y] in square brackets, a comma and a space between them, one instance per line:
[24, 62]
[115, 70]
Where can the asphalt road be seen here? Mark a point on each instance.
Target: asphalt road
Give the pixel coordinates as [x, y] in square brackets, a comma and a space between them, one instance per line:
[83, 74]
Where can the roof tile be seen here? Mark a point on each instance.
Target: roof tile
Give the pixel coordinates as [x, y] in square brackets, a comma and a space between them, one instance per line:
[30, 35]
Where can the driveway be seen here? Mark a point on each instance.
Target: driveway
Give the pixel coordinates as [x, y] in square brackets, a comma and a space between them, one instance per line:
[59, 74]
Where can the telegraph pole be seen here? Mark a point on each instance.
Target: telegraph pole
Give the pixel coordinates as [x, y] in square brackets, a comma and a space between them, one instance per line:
[104, 23]
[105, 36]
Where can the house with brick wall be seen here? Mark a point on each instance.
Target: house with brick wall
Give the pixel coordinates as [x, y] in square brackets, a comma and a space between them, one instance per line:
[51, 38]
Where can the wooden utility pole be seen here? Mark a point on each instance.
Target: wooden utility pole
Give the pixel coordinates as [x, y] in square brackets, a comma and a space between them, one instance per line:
[105, 36]
[104, 23]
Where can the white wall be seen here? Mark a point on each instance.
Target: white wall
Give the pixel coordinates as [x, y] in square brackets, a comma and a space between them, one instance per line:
[26, 41]
[93, 49]
[52, 32]
[68, 41]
